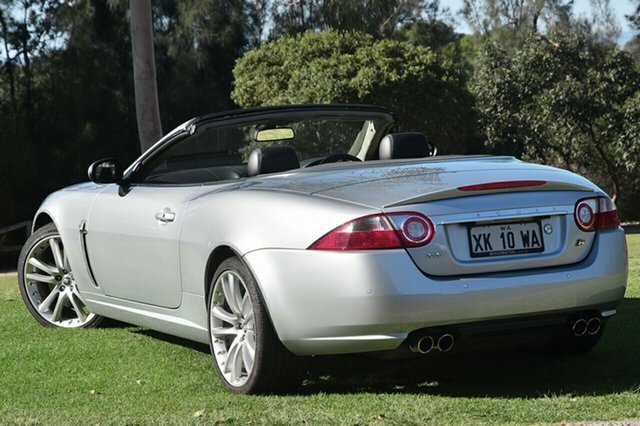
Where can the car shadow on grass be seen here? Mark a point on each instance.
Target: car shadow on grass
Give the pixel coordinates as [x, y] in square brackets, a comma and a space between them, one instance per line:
[200, 347]
[612, 367]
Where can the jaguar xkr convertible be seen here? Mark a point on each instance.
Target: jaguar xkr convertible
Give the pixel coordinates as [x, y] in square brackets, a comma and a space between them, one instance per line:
[274, 234]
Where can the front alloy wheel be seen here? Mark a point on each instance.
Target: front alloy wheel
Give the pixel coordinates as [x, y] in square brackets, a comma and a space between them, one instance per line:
[247, 354]
[47, 283]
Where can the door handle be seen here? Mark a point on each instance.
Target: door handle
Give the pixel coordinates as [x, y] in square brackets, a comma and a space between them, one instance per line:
[165, 216]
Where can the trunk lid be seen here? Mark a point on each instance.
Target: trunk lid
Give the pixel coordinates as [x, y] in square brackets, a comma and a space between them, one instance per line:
[394, 183]
[501, 232]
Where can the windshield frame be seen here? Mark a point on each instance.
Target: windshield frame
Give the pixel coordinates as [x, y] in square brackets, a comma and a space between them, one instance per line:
[245, 117]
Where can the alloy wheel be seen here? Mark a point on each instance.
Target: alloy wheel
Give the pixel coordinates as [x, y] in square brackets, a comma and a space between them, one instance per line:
[232, 328]
[50, 286]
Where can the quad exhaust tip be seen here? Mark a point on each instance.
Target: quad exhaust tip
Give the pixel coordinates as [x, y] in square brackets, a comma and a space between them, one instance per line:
[594, 325]
[583, 326]
[445, 342]
[579, 327]
[426, 344]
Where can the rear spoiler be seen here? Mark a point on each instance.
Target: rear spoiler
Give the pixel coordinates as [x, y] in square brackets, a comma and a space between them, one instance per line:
[493, 188]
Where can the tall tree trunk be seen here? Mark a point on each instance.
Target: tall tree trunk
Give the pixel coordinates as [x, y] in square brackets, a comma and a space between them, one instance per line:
[24, 38]
[144, 74]
[9, 64]
[611, 169]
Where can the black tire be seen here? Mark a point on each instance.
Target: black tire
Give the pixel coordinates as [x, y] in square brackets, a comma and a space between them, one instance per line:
[28, 288]
[275, 370]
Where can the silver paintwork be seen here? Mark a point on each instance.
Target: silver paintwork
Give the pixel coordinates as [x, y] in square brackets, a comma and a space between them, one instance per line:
[553, 208]
[144, 249]
[371, 300]
[149, 250]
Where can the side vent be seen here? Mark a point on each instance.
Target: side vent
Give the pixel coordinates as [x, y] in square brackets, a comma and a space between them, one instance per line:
[82, 228]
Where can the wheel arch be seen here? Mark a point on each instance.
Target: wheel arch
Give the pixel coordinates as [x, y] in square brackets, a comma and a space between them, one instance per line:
[217, 256]
[42, 218]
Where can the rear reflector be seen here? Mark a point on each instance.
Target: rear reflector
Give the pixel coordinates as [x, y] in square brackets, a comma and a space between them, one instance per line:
[377, 232]
[596, 213]
[502, 185]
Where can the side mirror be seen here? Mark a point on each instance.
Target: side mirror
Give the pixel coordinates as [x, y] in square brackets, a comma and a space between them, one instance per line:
[107, 170]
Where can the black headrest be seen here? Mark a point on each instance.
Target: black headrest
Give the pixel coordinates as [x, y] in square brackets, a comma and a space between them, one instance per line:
[272, 159]
[405, 145]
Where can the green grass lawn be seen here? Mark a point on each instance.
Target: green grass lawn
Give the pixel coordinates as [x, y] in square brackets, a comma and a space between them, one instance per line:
[124, 374]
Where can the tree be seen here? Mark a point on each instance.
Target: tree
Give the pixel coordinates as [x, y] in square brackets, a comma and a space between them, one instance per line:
[634, 18]
[295, 16]
[66, 83]
[435, 34]
[380, 18]
[9, 59]
[426, 90]
[197, 44]
[602, 26]
[632, 47]
[144, 74]
[515, 17]
[511, 22]
[564, 100]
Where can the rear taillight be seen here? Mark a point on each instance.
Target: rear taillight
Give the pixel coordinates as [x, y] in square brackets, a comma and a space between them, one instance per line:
[414, 229]
[607, 214]
[596, 213]
[376, 232]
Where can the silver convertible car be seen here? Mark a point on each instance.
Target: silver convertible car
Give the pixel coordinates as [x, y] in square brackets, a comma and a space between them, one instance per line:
[275, 234]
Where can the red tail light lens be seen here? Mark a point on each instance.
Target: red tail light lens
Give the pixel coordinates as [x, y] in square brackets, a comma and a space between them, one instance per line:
[596, 213]
[377, 232]
[365, 233]
[607, 214]
[502, 185]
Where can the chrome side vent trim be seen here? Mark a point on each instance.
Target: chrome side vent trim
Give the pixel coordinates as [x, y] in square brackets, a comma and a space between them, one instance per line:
[82, 228]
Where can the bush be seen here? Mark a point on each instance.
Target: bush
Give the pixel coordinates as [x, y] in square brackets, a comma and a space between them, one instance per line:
[426, 90]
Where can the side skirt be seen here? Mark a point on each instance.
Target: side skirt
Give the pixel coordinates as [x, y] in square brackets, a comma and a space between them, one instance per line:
[189, 321]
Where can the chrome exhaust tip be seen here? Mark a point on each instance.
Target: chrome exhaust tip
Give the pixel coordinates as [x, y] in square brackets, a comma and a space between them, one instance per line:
[594, 325]
[579, 327]
[425, 344]
[445, 342]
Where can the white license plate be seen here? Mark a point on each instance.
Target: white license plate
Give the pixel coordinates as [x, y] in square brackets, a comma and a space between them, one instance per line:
[505, 239]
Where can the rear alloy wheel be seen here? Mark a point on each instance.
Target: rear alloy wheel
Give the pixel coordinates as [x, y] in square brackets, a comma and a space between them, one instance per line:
[247, 354]
[47, 283]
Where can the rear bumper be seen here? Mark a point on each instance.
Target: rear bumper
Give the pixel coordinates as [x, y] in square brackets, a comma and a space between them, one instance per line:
[341, 302]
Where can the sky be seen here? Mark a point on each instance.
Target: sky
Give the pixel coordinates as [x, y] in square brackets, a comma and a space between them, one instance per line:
[581, 7]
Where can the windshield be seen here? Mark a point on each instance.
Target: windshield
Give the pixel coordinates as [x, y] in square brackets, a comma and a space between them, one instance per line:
[221, 152]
